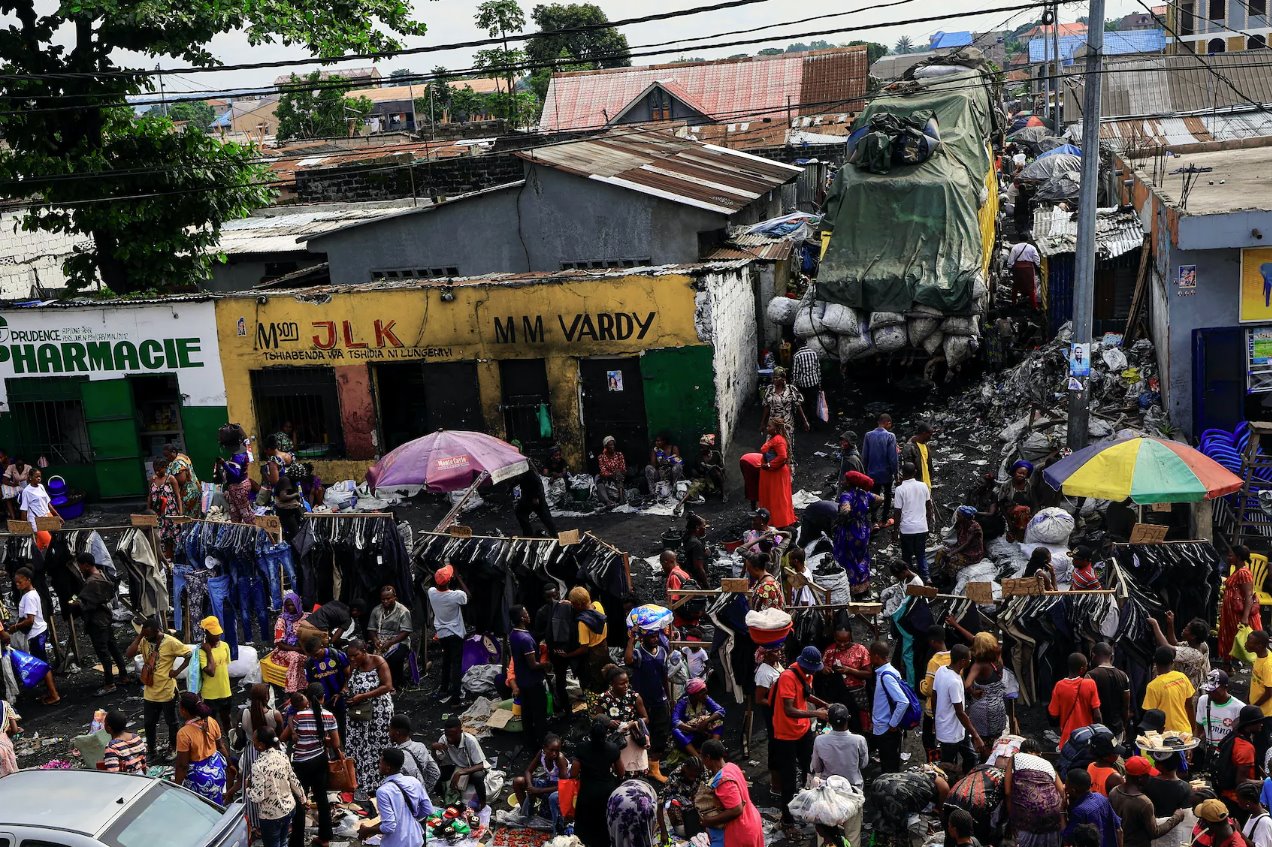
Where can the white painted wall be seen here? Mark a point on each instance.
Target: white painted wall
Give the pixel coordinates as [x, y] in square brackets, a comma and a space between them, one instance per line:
[116, 341]
[725, 317]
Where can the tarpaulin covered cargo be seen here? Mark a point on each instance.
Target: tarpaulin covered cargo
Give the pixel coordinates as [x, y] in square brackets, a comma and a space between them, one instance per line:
[919, 234]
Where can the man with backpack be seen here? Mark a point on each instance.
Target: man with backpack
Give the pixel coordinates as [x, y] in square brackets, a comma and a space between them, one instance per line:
[792, 741]
[401, 802]
[896, 708]
[1235, 758]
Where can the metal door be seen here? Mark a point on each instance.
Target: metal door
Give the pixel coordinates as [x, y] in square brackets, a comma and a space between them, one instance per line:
[1219, 375]
[452, 398]
[613, 400]
[112, 432]
[524, 391]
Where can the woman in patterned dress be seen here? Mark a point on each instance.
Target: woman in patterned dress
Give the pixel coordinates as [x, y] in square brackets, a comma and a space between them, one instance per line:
[632, 812]
[782, 400]
[8, 727]
[202, 759]
[625, 711]
[287, 650]
[369, 700]
[181, 469]
[852, 535]
[1240, 601]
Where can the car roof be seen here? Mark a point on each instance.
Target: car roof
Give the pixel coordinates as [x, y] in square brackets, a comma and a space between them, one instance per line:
[76, 800]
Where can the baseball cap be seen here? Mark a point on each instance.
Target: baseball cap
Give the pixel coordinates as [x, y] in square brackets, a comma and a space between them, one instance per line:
[810, 659]
[1154, 720]
[212, 625]
[1250, 714]
[1216, 679]
[1211, 811]
[1139, 766]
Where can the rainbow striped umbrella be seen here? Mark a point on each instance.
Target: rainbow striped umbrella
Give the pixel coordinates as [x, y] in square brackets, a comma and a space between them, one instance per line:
[1148, 470]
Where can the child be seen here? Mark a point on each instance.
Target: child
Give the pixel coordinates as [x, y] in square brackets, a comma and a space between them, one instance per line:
[696, 657]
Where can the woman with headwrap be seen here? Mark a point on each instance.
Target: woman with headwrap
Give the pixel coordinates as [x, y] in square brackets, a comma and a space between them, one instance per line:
[969, 543]
[287, 648]
[852, 533]
[1016, 499]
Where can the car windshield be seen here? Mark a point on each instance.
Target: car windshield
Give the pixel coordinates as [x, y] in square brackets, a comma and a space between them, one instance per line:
[169, 815]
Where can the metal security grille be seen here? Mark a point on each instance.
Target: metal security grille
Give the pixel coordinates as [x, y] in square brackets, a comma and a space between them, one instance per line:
[304, 397]
[54, 429]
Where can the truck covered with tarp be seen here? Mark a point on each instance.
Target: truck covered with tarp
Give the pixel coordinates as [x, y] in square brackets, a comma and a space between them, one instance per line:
[909, 228]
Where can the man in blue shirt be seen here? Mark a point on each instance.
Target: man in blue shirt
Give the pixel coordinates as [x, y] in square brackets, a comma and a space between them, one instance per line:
[1085, 806]
[890, 705]
[401, 802]
[648, 659]
[880, 456]
[532, 680]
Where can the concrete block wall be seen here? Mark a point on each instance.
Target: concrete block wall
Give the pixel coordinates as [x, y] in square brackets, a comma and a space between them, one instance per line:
[437, 178]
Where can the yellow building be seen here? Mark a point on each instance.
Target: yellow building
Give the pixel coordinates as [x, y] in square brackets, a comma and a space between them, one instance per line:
[568, 358]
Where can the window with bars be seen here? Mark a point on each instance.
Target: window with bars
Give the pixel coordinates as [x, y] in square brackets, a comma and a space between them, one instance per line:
[414, 273]
[54, 429]
[305, 398]
[659, 105]
[605, 264]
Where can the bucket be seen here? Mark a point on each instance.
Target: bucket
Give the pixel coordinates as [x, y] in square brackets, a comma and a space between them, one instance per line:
[56, 488]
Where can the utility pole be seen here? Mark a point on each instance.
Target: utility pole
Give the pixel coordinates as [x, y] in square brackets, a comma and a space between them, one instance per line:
[1054, 87]
[163, 100]
[1084, 278]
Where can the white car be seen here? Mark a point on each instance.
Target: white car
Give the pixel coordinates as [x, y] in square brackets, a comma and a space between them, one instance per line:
[83, 808]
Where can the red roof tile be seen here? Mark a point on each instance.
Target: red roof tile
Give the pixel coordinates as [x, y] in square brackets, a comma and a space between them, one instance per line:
[728, 90]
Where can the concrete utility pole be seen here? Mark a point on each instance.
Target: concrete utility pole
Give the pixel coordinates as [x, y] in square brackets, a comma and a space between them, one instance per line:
[1084, 277]
[1054, 86]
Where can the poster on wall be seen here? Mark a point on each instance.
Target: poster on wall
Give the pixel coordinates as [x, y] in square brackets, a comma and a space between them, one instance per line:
[615, 380]
[1259, 359]
[1187, 280]
[1256, 285]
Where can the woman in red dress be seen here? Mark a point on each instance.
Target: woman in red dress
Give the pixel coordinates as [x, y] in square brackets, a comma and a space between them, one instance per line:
[1240, 605]
[775, 476]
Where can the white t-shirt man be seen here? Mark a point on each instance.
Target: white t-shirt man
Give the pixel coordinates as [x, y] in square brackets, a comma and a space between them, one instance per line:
[34, 500]
[30, 605]
[448, 615]
[948, 688]
[1023, 252]
[1222, 720]
[912, 498]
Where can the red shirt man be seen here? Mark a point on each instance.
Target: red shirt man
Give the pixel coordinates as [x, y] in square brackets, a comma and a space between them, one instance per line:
[1075, 701]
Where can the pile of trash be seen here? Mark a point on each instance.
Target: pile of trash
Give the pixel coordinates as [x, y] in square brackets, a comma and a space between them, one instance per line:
[842, 333]
[1123, 385]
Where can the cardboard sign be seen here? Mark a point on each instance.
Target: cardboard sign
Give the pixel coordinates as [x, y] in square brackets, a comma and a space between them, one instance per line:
[928, 591]
[979, 592]
[1161, 507]
[20, 528]
[1021, 587]
[499, 718]
[569, 537]
[735, 585]
[459, 531]
[1143, 533]
[49, 523]
[143, 520]
[269, 523]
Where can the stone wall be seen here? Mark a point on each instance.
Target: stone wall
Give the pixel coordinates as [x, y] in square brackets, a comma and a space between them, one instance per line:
[384, 181]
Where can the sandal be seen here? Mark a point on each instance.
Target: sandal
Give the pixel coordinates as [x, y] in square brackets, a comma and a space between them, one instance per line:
[46, 701]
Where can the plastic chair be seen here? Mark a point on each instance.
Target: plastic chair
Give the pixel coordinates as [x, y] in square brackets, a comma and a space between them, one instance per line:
[1259, 571]
[1222, 434]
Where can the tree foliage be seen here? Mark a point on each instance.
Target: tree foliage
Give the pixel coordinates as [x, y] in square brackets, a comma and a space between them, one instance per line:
[198, 114]
[904, 45]
[874, 50]
[311, 107]
[501, 18]
[598, 48]
[152, 200]
[401, 73]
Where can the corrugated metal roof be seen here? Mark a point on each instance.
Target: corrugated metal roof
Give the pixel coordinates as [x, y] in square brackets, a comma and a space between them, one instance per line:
[1153, 86]
[1115, 44]
[892, 67]
[1131, 133]
[286, 233]
[941, 40]
[701, 175]
[749, 88]
[1055, 231]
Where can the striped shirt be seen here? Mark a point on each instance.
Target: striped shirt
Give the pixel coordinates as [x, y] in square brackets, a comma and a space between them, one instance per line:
[806, 368]
[308, 737]
[126, 754]
[1084, 579]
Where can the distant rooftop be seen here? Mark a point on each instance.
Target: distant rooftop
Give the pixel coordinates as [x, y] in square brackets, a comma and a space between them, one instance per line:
[358, 75]
[1238, 180]
[284, 229]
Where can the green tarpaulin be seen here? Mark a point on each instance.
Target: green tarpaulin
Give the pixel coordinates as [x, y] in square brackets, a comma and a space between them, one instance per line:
[912, 236]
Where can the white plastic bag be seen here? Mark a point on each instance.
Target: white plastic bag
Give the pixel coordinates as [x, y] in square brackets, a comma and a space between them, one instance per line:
[1049, 526]
[781, 310]
[830, 804]
[933, 342]
[855, 347]
[841, 320]
[959, 325]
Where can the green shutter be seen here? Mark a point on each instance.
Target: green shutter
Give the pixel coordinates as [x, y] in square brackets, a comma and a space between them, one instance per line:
[680, 394]
[112, 431]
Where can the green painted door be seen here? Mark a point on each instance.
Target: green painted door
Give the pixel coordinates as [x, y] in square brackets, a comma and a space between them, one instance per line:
[112, 432]
[680, 394]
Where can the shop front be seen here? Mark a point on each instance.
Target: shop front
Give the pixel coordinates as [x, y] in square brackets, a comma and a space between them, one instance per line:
[354, 371]
[96, 392]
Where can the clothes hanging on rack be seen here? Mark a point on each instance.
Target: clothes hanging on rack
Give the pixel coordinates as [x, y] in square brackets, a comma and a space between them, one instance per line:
[351, 559]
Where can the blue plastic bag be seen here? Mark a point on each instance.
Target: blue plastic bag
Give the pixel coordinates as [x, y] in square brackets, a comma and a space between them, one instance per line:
[30, 670]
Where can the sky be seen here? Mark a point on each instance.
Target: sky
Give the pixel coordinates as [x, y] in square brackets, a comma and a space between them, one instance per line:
[452, 21]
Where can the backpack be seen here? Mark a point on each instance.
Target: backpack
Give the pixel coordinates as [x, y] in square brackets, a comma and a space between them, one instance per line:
[914, 711]
[1077, 749]
[1225, 773]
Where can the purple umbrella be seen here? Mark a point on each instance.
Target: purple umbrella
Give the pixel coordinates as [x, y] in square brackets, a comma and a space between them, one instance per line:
[448, 460]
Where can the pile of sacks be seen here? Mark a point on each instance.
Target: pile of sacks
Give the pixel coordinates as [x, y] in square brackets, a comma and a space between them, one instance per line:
[841, 333]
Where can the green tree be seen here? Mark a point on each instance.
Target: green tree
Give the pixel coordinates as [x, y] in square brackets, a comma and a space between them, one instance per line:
[311, 107]
[598, 48]
[771, 51]
[169, 192]
[1111, 26]
[400, 73]
[874, 50]
[501, 18]
[465, 104]
[904, 45]
[437, 100]
[797, 47]
[195, 113]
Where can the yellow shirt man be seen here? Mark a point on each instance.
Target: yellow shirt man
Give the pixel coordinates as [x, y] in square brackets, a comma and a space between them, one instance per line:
[589, 637]
[938, 661]
[164, 687]
[1171, 692]
[216, 686]
[1261, 680]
